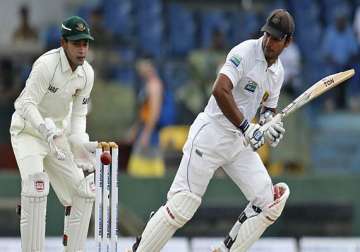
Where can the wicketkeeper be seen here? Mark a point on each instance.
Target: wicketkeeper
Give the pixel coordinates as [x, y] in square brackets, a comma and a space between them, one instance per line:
[49, 139]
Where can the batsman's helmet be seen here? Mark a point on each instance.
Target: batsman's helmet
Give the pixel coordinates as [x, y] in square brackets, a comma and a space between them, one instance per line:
[279, 24]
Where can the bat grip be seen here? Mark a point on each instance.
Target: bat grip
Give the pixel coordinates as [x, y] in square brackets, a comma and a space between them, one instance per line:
[277, 118]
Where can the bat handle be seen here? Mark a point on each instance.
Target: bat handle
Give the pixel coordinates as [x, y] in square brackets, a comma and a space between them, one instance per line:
[277, 118]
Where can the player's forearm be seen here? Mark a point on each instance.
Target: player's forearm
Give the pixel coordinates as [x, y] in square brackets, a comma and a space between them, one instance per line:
[225, 100]
[228, 107]
[30, 112]
[32, 95]
[78, 117]
[78, 127]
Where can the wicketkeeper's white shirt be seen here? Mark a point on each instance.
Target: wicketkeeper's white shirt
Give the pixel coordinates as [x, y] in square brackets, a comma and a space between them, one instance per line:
[55, 90]
[254, 83]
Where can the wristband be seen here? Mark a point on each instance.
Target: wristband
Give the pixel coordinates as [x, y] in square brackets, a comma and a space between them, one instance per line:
[244, 126]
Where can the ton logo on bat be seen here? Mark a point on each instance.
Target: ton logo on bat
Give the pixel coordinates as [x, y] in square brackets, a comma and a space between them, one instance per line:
[329, 82]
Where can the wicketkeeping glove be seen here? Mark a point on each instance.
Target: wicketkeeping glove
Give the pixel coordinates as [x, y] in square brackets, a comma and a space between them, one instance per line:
[84, 153]
[50, 132]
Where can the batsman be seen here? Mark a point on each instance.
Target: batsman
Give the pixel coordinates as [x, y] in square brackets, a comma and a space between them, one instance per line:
[49, 139]
[224, 135]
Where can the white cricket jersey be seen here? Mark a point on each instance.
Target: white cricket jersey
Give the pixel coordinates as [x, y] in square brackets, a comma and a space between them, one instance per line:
[254, 82]
[56, 90]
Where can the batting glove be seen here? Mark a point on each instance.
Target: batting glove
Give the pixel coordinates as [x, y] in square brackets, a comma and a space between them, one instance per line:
[253, 134]
[266, 117]
[50, 132]
[274, 133]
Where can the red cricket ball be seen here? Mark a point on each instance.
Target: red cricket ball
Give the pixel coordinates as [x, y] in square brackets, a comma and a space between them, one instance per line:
[105, 158]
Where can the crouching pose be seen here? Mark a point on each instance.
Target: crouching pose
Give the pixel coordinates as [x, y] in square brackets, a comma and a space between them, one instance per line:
[49, 139]
[224, 136]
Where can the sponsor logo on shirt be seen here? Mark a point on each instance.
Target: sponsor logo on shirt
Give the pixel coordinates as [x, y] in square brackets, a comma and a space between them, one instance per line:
[250, 86]
[53, 89]
[85, 100]
[235, 60]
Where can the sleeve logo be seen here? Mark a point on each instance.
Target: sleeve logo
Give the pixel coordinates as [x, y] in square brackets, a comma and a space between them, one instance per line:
[86, 100]
[235, 60]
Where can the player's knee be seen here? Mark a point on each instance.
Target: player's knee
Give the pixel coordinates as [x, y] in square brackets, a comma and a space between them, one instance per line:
[263, 196]
[35, 185]
[181, 207]
[86, 188]
[270, 205]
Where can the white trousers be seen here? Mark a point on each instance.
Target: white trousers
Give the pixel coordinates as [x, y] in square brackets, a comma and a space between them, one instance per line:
[33, 155]
[209, 147]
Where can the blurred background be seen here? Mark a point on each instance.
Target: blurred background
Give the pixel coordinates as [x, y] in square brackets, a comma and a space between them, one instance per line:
[176, 47]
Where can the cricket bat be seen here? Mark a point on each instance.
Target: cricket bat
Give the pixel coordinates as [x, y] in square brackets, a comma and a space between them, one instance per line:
[320, 87]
